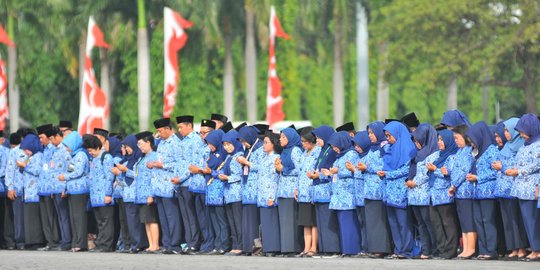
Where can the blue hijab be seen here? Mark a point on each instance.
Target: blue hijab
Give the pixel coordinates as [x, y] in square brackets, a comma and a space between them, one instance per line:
[362, 140]
[218, 156]
[249, 134]
[286, 154]
[31, 143]
[327, 156]
[455, 118]
[450, 147]
[132, 159]
[511, 147]
[481, 137]
[402, 151]
[530, 125]
[499, 130]
[378, 129]
[426, 135]
[74, 142]
[115, 146]
[342, 141]
[232, 138]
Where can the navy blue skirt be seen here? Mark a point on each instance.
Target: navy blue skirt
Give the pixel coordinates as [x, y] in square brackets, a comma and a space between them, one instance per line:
[465, 212]
[270, 229]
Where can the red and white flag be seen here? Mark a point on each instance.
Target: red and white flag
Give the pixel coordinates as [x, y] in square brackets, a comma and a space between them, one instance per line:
[175, 39]
[3, 95]
[274, 102]
[4, 37]
[94, 108]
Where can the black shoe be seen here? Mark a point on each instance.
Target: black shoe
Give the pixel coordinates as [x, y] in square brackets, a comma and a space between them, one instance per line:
[233, 253]
[167, 252]
[211, 252]
[135, 251]
[96, 250]
[488, 258]
[45, 248]
[376, 255]
[20, 247]
[221, 252]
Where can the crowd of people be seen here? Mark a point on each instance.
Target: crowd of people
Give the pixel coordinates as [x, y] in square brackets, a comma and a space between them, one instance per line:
[396, 189]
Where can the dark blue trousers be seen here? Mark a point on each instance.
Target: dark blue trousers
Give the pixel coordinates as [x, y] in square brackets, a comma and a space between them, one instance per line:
[18, 219]
[349, 232]
[484, 222]
[203, 218]
[250, 226]
[328, 227]
[137, 232]
[514, 230]
[169, 219]
[234, 217]
[186, 201]
[400, 227]
[531, 220]
[427, 234]
[62, 211]
[270, 229]
[219, 226]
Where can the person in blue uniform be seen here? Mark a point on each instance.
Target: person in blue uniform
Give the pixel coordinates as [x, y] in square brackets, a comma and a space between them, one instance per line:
[362, 144]
[15, 187]
[59, 164]
[484, 177]
[198, 187]
[418, 186]
[100, 180]
[343, 200]
[396, 162]
[253, 154]
[166, 170]
[30, 164]
[527, 175]
[47, 212]
[463, 190]
[125, 169]
[231, 175]
[515, 237]
[327, 223]
[189, 184]
[267, 185]
[220, 120]
[6, 221]
[377, 228]
[289, 166]
[304, 193]
[214, 192]
[144, 195]
[77, 190]
[443, 210]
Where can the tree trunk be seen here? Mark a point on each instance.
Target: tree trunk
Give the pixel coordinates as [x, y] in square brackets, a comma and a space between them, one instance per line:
[105, 83]
[143, 70]
[337, 83]
[530, 96]
[383, 89]
[228, 79]
[251, 64]
[13, 89]
[452, 94]
[362, 87]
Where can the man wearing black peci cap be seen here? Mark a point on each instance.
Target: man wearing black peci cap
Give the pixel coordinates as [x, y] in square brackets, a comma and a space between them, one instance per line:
[411, 121]
[65, 126]
[227, 127]
[206, 127]
[192, 185]
[349, 127]
[219, 119]
[47, 214]
[166, 170]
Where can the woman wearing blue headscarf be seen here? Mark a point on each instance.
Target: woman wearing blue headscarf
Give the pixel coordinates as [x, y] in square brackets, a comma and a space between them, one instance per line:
[343, 200]
[425, 139]
[289, 166]
[31, 168]
[362, 144]
[214, 192]
[454, 118]
[527, 173]
[443, 210]
[327, 223]
[514, 231]
[395, 170]
[377, 234]
[484, 178]
[77, 190]
[231, 175]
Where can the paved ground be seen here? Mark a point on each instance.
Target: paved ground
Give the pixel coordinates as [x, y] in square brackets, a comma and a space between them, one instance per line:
[80, 261]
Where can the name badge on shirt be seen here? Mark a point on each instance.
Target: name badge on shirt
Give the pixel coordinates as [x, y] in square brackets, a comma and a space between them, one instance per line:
[246, 170]
[334, 178]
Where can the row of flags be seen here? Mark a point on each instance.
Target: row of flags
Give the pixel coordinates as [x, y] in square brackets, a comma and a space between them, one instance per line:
[94, 106]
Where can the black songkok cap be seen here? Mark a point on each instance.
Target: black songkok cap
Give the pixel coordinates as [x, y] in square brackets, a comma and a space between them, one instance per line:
[163, 122]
